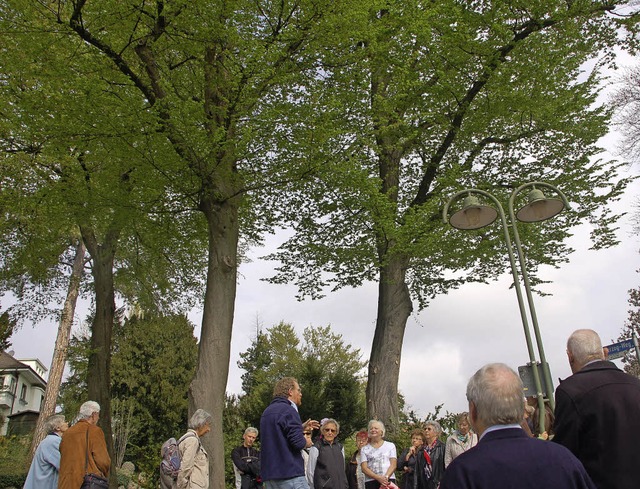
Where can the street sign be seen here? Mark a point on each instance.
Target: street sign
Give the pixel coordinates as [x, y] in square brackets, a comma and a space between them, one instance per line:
[617, 350]
[526, 375]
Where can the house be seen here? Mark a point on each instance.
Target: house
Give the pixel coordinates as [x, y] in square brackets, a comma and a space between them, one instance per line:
[22, 388]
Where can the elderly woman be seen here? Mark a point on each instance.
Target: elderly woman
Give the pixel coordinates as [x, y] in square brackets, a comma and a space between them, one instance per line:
[43, 473]
[461, 440]
[326, 468]
[379, 459]
[407, 461]
[430, 459]
[194, 461]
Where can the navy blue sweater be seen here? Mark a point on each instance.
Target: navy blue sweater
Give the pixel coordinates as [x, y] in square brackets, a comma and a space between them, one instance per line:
[281, 440]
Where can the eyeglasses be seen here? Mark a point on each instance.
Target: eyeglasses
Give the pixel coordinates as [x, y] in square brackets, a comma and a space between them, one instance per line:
[330, 430]
[306, 432]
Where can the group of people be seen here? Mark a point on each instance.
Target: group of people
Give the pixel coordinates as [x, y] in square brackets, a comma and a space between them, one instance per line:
[592, 446]
[67, 455]
[596, 425]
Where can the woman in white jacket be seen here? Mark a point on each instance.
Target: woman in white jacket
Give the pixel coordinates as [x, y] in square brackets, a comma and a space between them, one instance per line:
[194, 461]
[461, 440]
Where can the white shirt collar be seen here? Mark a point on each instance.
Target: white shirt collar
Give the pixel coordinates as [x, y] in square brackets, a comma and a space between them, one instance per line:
[497, 427]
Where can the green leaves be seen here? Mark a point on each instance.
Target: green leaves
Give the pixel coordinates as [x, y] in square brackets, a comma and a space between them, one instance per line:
[328, 371]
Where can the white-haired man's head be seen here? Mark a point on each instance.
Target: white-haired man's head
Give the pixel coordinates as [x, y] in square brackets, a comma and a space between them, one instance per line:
[495, 397]
[583, 346]
[90, 411]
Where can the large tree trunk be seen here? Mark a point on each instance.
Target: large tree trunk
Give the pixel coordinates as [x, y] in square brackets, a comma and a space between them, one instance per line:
[208, 388]
[99, 365]
[394, 308]
[60, 351]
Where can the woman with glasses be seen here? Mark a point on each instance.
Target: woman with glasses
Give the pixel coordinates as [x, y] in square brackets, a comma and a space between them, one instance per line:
[326, 469]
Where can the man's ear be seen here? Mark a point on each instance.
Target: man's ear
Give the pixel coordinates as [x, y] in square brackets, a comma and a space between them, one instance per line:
[473, 413]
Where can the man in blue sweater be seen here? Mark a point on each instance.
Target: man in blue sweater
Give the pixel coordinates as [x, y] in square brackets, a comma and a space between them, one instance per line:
[282, 466]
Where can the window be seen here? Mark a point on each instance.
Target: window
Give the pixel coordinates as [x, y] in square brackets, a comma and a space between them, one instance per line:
[23, 392]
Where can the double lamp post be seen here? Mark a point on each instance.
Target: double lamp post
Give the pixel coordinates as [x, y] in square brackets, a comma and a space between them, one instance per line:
[475, 215]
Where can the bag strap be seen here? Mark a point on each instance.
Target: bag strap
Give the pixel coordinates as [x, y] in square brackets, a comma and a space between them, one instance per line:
[86, 454]
[188, 434]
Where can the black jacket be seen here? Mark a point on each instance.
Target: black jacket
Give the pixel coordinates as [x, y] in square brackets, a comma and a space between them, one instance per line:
[598, 419]
[437, 467]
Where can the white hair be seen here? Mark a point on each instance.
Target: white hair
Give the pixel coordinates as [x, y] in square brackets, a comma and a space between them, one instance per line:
[379, 423]
[199, 419]
[585, 346]
[88, 408]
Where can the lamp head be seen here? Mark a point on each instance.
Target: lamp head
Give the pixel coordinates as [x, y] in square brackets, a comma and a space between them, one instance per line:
[473, 215]
[539, 207]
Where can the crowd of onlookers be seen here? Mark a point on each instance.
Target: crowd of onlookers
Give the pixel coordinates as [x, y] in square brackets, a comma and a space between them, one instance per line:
[589, 441]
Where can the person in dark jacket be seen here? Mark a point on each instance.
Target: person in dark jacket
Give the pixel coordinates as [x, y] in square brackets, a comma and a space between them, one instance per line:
[597, 414]
[282, 466]
[326, 468]
[430, 458]
[407, 460]
[246, 461]
[505, 456]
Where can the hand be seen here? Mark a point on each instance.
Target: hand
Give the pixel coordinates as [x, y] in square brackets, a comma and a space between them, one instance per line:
[311, 423]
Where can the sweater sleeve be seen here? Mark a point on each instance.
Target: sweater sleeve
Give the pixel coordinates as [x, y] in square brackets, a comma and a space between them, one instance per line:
[51, 451]
[311, 468]
[567, 422]
[448, 452]
[99, 451]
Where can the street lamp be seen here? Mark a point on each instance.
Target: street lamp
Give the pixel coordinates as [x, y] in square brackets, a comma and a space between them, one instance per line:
[475, 215]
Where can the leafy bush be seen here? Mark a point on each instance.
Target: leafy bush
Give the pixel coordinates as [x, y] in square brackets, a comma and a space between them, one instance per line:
[14, 456]
[7, 481]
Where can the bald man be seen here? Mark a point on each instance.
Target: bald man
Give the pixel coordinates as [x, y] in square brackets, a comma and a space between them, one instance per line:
[598, 414]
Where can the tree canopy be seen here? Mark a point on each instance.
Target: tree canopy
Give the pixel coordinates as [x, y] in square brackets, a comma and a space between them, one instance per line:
[328, 371]
[427, 99]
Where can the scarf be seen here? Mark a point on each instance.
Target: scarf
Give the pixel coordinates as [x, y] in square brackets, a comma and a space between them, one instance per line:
[462, 438]
[427, 456]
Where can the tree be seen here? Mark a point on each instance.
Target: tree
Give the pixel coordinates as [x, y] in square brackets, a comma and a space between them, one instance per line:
[7, 328]
[626, 101]
[328, 370]
[632, 325]
[195, 90]
[59, 358]
[427, 99]
[154, 359]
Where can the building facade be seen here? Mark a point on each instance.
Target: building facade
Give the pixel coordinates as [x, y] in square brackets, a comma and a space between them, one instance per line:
[22, 387]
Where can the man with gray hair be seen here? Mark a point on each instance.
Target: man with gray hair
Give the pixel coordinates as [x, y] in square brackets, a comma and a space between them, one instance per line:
[505, 456]
[83, 449]
[598, 414]
[246, 461]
